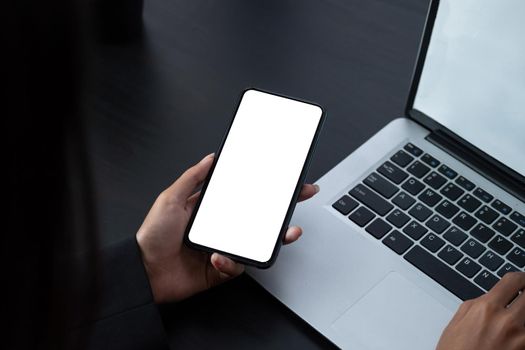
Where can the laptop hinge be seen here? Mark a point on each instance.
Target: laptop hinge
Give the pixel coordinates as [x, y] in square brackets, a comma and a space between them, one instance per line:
[478, 164]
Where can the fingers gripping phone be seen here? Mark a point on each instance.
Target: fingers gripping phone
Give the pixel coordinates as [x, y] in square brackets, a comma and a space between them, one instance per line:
[250, 193]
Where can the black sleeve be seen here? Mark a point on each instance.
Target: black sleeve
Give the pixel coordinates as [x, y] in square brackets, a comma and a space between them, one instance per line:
[125, 316]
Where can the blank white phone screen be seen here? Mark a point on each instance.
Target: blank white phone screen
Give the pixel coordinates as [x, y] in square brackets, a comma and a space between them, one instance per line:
[253, 182]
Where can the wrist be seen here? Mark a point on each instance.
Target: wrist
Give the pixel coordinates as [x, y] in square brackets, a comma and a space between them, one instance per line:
[151, 273]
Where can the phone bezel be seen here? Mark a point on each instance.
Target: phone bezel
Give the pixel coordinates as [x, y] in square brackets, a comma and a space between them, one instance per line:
[293, 201]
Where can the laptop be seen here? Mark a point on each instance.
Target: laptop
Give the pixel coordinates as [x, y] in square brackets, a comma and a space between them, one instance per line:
[430, 211]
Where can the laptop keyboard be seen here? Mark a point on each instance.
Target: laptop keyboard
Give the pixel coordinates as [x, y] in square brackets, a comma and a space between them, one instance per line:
[442, 223]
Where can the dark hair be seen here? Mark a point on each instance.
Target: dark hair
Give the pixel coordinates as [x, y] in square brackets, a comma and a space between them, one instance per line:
[50, 211]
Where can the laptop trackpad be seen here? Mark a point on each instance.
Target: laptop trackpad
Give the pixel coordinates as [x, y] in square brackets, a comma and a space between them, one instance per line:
[394, 315]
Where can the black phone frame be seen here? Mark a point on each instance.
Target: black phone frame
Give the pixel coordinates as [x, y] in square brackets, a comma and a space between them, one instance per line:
[293, 201]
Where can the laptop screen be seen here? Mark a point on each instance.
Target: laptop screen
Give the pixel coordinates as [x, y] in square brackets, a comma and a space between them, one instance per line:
[473, 78]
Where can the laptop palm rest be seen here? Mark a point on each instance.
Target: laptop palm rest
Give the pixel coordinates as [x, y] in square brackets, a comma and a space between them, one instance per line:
[381, 320]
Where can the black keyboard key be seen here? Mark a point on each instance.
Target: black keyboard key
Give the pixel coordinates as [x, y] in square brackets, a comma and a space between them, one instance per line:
[437, 224]
[491, 261]
[466, 184]
[382, 186]
[418, 169]
[427, 158]
[452, 191]
[486, 280]
[412, 149]
[413, 186]
[361, 216]
[455, 236]
[450, 254]
[517, 256]
[402, 158]
[432, 242]
[371, 199]
[447, 209]
[518, 218]
[469, 203]
[429, 197]
[501, 207]
[445, 170]
[415, 230]
[507, 268]
[519, 238]
[435, 180]
[500, 245]
[398, 242]
[483, 195]
[345, 205]
[464, 221]
[473, 248]
[505, 226]
[403, 200]
[468, 267]
[482, 233]
[392, 172]
[398, 218]
[486, 214]
[378, 228]
[420, 212]
[441, 273]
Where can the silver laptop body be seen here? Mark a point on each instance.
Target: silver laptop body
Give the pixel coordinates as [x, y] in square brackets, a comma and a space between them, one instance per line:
[372, 271]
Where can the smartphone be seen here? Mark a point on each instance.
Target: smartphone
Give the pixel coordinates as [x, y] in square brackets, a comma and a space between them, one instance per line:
[251, 190]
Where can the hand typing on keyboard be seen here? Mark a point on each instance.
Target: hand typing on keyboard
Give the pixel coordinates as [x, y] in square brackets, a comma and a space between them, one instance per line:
[495, 320]
[456, 233]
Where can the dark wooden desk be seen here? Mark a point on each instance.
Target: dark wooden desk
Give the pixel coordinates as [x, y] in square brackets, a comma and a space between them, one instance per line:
[159, 104]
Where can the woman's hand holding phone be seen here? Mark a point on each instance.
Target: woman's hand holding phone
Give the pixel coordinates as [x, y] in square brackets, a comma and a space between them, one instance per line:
[175, 271]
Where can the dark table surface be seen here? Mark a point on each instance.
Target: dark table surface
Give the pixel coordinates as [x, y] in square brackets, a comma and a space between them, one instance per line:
[159, 103]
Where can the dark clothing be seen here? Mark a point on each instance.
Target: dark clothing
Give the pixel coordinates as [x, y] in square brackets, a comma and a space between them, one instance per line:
[125, 316]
